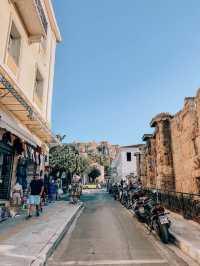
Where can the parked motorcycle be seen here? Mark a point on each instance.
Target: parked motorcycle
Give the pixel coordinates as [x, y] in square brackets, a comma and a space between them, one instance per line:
[124, 196]
[130, 198]
[160, 223]
[141, 208]
[115, 192]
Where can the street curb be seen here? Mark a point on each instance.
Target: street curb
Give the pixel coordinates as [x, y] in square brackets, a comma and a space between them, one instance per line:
[55, 241]
[186, 247]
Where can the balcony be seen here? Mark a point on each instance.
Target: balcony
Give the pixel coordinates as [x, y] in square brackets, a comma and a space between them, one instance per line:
[33, 17]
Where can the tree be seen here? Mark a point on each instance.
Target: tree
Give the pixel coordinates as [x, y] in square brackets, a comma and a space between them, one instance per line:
[93, 174]
[65, 159]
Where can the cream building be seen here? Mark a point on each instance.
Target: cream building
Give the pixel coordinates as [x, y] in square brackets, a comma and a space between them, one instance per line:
[29, 34]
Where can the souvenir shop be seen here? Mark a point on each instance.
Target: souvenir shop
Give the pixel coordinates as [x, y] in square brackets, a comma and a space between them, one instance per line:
[19, 161]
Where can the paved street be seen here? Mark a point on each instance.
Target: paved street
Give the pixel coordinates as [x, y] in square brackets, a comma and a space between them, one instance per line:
[107, 234]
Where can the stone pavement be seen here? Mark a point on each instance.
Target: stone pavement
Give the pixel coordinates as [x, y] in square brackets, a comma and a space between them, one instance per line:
[29, 242]
[187, 235]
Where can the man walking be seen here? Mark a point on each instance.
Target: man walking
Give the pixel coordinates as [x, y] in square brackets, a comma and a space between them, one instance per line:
[36, 189]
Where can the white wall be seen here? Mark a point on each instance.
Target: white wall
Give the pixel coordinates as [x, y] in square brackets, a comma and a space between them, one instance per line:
[123, 166]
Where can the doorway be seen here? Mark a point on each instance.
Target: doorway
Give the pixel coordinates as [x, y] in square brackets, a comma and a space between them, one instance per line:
[6, 163]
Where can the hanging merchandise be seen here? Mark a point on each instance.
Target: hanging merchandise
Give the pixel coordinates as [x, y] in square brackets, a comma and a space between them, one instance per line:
[29, 153]
[22, 172]
[33, 155]
[39, 149]
[18, 146]
[6, 138]
[36, 157]
[25, 153]
[46, 160]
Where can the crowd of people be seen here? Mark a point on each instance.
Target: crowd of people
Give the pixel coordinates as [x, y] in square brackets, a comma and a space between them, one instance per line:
[41, 191]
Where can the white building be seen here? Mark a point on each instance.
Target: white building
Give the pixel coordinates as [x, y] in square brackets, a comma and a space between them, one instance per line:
[125, 163]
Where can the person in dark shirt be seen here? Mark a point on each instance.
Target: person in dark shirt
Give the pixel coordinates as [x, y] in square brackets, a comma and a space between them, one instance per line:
[36, 189]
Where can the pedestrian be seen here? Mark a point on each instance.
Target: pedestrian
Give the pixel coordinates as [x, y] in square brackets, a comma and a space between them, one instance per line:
[46, 186]
[36, 189]
[59, 190]
[70, 193]
[43, 195]
[52, 190]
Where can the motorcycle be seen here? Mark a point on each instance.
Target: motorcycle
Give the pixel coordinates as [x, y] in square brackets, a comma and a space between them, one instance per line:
[140, 208]
[115, 192]
[160, 223]
[130, 198]
[124, 197]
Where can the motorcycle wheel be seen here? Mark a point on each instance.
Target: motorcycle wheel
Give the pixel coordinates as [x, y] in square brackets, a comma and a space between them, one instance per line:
[141, 218]
[164, 233]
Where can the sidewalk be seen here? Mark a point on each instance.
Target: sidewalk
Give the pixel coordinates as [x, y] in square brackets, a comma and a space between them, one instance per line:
[29, 242]
[187, 235]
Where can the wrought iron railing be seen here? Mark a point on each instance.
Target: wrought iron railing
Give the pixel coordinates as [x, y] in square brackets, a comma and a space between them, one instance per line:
[10, 88]
[185, 204]
[42, 14]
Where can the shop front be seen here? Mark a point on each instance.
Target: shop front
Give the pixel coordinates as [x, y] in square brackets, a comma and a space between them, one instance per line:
[20, 160]
[6, 165]
[24, 139]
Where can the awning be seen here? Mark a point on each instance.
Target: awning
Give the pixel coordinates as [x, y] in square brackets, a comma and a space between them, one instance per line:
[17, 130]
[15, 101]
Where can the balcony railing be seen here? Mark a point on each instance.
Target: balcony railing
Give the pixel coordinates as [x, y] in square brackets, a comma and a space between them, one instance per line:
[34, 18]
[42, 14]
[15, 101]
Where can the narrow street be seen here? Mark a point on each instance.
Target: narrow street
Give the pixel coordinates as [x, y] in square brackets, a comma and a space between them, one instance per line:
[106, 234]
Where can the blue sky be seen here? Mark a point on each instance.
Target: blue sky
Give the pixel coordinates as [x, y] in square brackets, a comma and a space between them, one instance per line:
[120, 63]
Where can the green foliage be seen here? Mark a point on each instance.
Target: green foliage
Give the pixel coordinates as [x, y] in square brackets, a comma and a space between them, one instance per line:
[94, 173]
[66, 159]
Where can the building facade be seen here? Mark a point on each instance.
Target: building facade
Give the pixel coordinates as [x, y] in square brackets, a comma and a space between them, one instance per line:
[29, 34]
[125, 163]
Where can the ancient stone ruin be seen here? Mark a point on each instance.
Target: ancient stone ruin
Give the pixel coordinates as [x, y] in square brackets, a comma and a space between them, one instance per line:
[171, 155]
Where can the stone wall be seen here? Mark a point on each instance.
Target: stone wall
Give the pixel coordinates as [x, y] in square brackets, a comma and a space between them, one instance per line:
[148, 163]
[163, 151]
[172, 154]
[186, 146]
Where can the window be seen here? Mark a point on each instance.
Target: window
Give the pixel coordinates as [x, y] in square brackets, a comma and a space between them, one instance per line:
[38, 91]
[14, 44]
[128, 156]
